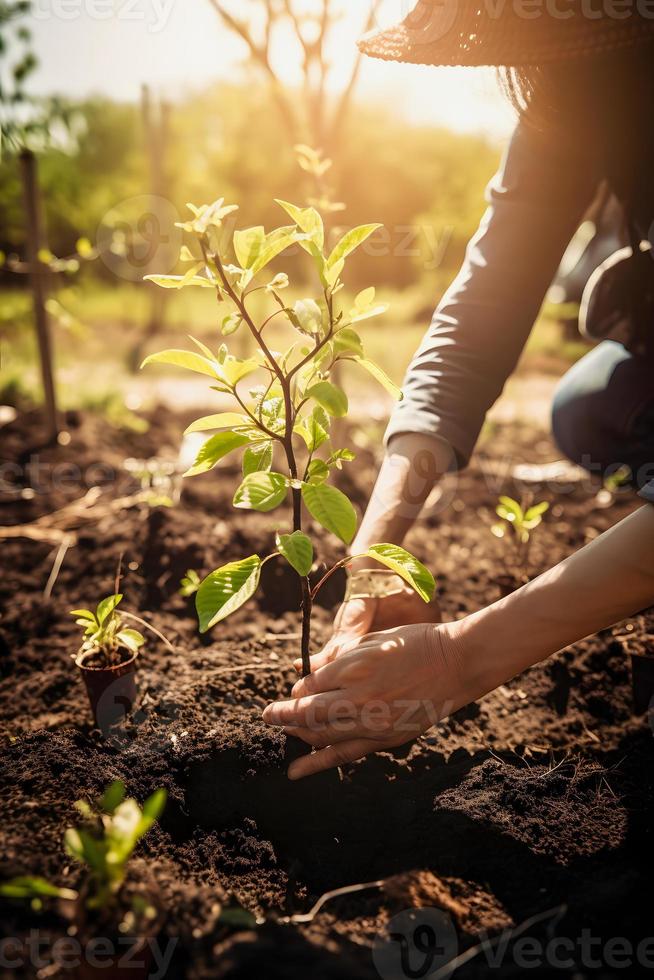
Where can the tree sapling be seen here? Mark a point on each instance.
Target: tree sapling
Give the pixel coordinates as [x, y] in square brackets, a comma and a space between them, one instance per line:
[290, 409]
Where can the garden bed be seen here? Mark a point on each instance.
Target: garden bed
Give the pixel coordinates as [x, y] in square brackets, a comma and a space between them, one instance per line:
[537, 800]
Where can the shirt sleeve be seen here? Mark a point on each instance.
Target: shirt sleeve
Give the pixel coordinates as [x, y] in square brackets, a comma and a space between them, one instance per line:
[535, 204]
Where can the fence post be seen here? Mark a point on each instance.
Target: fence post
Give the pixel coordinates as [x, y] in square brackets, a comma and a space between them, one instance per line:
[35, 242]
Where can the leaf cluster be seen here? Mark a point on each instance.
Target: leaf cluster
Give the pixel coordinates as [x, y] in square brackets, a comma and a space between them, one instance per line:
[104, 630]
[106, 840]
[521, 521]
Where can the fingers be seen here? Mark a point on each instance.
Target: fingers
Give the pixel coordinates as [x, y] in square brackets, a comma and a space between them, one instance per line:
[301, 712]
[316, 738]
[354, 619]
[322, 680]
[331, 757]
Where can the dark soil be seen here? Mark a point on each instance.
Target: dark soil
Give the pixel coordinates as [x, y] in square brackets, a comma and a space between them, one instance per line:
[535, 802]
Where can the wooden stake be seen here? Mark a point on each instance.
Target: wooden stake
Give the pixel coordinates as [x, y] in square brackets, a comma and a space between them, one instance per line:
[35, 242]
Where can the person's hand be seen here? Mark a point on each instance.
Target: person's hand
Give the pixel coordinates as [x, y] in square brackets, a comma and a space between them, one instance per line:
[382, 690]
[358, 617]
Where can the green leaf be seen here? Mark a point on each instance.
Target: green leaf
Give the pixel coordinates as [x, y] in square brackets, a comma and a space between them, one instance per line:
[348, 341]
[224, 420]
[382, 378]
[27, 887]
[407, 567]
[154, 805]
[365, 298]
[132, 639]
[258, 459]
[248, 244]
[106, 607]
[341, 456]
[181, 282]
[73, 844]
[331, 509]
[275, 243]
[297, 549]
[215, 449]
[261, 491]
[307, 316]
[202, 347]
[510, 510]
[536, 511]
[233, 369]
[113, 796]
[83, 614]
[308, 220]
[363, 307]
[332, 399]
[314, 429]
[185, 359]
[231, 324]
[351, 241]
[317, 471]
[226, 590]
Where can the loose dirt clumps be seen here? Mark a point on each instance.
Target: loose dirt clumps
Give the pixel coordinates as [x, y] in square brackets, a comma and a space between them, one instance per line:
[536, 802]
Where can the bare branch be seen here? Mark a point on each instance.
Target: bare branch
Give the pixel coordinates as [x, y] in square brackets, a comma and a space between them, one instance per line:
[261, 55]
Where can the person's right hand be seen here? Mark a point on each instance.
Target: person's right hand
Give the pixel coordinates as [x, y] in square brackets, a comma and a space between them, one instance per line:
[358, 617]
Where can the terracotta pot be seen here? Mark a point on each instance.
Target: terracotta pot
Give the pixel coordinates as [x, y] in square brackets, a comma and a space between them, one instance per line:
[642, 682]
[112, 691]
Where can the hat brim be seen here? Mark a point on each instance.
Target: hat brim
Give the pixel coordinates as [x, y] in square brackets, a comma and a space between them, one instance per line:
[495, 46]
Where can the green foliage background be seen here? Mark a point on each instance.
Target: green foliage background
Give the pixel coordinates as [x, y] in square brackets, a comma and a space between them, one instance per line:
[227, 141]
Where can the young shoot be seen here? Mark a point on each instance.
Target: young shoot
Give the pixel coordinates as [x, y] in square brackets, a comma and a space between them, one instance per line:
[190, 584]
[105, 633]
[104, 845]
[106, 841]
[283, 401]
[517, 525]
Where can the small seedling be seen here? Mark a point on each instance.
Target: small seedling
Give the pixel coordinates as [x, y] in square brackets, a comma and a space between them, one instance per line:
[190, 583]
[287, 414]
[520, 523]
[105, 633]
[104, 845]
[107, 840]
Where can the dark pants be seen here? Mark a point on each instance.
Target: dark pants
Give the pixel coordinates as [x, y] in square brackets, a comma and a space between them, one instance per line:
[603, 412]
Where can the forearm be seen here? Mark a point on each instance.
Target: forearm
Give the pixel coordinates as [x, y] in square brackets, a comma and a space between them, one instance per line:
[413, 465]
[608, 580]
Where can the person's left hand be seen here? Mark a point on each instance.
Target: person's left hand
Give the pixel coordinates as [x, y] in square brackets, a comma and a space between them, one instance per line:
[383, 690]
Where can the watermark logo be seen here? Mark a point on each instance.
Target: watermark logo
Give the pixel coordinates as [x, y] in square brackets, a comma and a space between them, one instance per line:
[416, 945]
[152, 14]
[138, 237]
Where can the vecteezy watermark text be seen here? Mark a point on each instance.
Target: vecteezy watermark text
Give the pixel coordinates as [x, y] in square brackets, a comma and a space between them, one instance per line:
[154, 14]
[40, 951]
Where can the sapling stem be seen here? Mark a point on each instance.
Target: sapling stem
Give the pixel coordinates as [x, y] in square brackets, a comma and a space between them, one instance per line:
[274, 412]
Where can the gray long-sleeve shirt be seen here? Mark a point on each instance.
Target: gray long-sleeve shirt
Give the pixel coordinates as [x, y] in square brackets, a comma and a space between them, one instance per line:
[536, 202]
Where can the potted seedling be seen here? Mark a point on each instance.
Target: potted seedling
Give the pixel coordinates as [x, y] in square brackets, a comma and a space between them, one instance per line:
[516, 526]
[283, 402]
[124, 914]
[107, 659]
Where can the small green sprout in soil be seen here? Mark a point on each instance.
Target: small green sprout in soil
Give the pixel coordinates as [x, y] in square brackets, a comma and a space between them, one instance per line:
[281, 421]
[190, 584]
[518, 522]
[106, 638]
[104, 844]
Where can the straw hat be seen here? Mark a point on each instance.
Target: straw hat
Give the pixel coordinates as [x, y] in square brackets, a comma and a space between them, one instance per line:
[512, 33]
